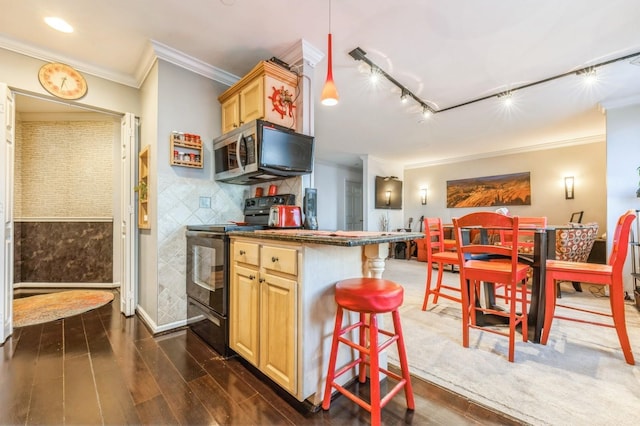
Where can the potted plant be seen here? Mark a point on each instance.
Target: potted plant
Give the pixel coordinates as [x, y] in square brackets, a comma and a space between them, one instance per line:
[141, 189]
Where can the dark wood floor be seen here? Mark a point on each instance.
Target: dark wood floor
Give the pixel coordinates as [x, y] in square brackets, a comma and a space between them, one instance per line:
[103, 368]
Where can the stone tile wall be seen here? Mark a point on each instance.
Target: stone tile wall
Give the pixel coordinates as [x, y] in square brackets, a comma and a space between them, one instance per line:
[64, 252]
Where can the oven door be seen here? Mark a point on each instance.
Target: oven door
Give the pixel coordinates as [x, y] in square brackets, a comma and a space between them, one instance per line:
[208, 270]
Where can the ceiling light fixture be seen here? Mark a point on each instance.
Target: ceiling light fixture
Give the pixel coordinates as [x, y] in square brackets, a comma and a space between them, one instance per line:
[58, 24]
[329, 95]
[590, 75]
[404, 97]
[507, 98]
[374, 75]
[360, 55]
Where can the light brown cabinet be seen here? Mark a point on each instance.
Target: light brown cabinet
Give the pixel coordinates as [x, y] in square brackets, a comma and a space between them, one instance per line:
[267, 92]
[263, 309]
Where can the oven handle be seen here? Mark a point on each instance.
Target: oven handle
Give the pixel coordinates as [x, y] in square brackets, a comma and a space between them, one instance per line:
[202, 284]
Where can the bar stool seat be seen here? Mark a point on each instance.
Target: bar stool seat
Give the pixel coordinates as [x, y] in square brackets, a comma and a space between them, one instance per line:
[370, 296]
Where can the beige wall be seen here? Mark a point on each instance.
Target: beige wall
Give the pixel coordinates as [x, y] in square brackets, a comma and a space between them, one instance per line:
[64, 169]
[587, 163]
[20, 72]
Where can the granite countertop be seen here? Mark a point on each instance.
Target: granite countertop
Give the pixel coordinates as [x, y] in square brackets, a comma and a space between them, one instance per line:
[335, 238]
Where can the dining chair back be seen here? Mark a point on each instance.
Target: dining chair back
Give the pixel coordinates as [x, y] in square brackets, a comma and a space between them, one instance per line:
[527, 224]
[439, 254]
[609, 275]
[484, 262]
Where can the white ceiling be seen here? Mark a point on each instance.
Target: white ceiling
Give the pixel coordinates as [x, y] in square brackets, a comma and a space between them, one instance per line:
[446, 53]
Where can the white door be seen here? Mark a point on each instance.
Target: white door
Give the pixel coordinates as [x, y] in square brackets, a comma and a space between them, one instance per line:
[128, 230]
[353, 206]
[7, 153]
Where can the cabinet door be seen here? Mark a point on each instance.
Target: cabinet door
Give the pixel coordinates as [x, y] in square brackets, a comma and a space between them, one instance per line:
[252, 101]
[278, 329]
[243, 311]
[230, 114]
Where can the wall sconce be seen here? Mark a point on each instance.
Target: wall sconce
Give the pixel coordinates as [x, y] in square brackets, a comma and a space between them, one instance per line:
[423, 197]
[388, 193]
[568, 187]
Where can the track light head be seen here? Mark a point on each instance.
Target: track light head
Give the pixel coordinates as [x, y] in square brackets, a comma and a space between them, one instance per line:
[589, 74]
[357, 54]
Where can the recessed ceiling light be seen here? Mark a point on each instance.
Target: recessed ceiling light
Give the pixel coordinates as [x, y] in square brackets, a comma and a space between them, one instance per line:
[58, 24]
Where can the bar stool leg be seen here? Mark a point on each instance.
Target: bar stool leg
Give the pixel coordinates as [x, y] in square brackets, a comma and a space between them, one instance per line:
[362, 367]
[404, 365]
[332, 360]
[374, 371]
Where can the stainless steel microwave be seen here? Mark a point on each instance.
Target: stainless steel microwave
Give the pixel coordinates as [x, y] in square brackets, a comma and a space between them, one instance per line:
[260, 151]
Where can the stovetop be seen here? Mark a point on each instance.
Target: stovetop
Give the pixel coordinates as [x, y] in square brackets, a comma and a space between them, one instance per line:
[224, 227]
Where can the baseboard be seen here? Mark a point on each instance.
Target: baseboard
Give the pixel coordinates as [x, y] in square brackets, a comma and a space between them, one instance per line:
[155, 328]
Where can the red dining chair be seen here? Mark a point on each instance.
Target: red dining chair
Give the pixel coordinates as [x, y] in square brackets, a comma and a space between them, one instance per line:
[594, 273]
[439, 254]
[526, 234]
[477, 266]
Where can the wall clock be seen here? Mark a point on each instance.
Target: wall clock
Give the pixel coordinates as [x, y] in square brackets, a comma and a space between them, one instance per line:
[62, 81]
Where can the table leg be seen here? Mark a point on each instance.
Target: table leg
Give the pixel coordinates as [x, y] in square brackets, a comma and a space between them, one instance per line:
[544, 248]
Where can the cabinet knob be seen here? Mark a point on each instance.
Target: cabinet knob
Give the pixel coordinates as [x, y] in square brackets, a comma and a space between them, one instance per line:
[242, 252]
[252, 277]
[261, 280]
[274, 259]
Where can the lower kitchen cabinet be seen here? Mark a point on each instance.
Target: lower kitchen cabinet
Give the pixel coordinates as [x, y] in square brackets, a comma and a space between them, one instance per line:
[283, 308]
[278, 330]
[263, 309]
[243, 312]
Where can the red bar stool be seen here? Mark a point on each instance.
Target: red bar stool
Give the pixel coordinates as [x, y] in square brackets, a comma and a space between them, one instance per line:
[368, 296]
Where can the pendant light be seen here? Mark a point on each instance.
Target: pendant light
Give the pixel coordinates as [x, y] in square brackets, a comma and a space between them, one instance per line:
[329, 95]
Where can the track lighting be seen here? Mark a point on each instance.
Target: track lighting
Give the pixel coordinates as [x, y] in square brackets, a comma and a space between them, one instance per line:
[374, 75]
[589, 72]
[506, 97]
[589, 75]
[404, 97]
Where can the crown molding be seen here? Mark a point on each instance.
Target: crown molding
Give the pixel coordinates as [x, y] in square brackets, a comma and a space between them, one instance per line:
[169, 54]
[540, 147]
[302, 50]
[153, 51]
[48, 56]
[620, 102]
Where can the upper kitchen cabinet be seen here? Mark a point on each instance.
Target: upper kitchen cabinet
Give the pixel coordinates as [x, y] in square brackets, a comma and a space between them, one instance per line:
[267, 92]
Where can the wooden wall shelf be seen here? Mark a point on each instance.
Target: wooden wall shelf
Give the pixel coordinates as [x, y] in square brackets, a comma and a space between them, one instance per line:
[186, 150]
[143, 195]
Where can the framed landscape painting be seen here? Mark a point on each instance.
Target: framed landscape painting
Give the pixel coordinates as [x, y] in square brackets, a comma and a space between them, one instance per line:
[500, 190]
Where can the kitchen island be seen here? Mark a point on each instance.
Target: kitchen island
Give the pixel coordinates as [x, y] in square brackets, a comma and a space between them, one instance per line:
[282, 307]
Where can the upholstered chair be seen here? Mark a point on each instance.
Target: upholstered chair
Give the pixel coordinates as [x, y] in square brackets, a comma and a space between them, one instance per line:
[574, 244]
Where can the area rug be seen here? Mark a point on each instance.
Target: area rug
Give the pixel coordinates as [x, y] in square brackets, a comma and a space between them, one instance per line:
[579, 377]
[50, 307]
